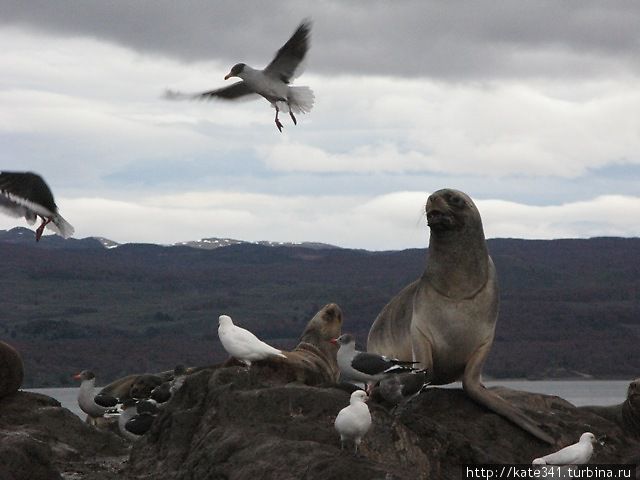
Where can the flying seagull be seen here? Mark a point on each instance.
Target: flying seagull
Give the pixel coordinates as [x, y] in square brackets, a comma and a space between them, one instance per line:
[364, 366]
[272, 82]
[25, 194]
[242, 344]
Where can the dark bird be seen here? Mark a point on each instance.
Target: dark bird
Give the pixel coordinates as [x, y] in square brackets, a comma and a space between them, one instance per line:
[364, 366]
[140, 424]
[163, 393]
[272, 82]
[25, 194]
[394, 390]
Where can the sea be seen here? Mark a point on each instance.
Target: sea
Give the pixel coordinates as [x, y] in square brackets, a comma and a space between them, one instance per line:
[578, 392]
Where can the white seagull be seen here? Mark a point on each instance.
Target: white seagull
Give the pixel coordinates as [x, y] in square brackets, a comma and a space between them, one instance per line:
[576, 454]
[272, 82]
[25, 194]
[354, 420]
[94, 405]
[242, 344]
[364, 366]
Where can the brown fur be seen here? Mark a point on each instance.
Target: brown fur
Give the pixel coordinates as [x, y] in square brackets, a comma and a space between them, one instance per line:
[11, 370]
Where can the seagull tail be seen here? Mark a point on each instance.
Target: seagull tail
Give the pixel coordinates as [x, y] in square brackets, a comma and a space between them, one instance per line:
[60, 226]
[301, 99]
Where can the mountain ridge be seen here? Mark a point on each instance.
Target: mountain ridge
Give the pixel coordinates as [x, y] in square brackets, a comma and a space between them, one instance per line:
[567, 306]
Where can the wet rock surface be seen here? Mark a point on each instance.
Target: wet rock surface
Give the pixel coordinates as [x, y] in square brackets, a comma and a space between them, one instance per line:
[39, 439]
[234, 423]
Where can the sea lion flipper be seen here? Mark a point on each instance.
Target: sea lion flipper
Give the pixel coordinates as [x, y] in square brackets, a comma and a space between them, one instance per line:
[472, 386]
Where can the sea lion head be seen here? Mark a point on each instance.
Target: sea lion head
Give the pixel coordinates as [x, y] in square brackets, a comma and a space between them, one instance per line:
[631, 408]
[142, 386]
[449, 209]
[325, 325]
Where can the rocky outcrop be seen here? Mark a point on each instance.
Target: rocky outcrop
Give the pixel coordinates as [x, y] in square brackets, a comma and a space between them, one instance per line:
[627, 414]
[40, 440]
[11, 370]
[239, 424]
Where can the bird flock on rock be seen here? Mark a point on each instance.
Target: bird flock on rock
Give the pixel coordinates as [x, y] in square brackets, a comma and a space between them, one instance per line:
[134, 415]
[391, 382]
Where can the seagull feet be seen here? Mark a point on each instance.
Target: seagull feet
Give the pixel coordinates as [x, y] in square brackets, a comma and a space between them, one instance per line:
[279, 125]
[40, 229]
[295, 122]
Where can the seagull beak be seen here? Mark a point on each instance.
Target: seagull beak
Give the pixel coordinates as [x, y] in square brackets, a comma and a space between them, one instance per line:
[334, 341]
[227, 76]
[76, 376]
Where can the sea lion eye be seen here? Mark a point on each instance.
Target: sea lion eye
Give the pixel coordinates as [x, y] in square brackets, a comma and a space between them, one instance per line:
[456, 201]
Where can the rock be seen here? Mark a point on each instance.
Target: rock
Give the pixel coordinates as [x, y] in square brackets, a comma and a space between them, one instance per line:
[11, 370]
[230, 422]
[627, 414]
[40, 440]
[234, 423]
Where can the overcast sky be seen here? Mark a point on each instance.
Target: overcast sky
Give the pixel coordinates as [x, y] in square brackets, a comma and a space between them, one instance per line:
[530, 107]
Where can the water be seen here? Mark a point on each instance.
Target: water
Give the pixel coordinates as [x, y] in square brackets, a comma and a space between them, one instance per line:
[578, 392]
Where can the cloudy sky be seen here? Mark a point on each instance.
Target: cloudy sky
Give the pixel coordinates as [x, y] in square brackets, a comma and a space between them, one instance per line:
[531, 107]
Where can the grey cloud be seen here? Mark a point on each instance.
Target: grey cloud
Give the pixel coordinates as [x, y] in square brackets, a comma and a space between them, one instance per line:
[452, 40]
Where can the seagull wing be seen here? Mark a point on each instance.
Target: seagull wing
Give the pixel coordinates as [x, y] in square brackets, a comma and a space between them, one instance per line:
[284, 65]
[571, 455]
[232, 92]
[242, 343]
[28, 190]
[370, 363]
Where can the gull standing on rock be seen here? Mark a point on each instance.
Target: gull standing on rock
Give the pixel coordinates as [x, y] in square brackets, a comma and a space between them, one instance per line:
[576, 454]
[243, 345]
[26, 194]
[94, 405]
[272, 82]
[353, 421]
[364, 366]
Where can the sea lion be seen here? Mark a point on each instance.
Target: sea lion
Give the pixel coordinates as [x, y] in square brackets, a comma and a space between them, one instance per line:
[626, 414]
[11, 370]
[314, 358]
[446, 319]
[134, 386]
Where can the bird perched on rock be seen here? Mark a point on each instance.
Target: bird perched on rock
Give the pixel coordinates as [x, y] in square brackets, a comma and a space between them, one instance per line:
[163, 393]
[243, 345]
[94, 405]
[394, 390]
[353, 421]
[139, 424]
[576, 454]
[272, 82]
[364, 366]
[25, 194]
[129, 411]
